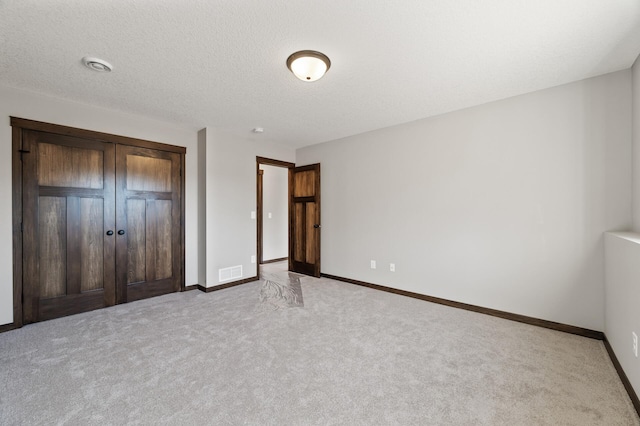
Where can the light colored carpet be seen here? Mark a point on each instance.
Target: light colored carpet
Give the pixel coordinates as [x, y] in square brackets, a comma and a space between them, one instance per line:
[350, 356]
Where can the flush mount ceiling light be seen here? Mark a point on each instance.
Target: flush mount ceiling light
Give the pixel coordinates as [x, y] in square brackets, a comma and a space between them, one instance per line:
[308, 65]
[96, 64]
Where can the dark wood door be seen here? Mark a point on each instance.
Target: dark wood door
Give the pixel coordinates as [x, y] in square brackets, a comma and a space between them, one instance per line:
[304, 222]
[68, 199]
[148, 240]
[73, 191]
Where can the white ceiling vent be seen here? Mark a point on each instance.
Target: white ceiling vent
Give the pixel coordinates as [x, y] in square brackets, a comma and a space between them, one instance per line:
[227, 274]
[97, 64]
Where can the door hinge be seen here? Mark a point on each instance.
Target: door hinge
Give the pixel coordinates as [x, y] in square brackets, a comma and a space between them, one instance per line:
[21, 226]
[22, 152]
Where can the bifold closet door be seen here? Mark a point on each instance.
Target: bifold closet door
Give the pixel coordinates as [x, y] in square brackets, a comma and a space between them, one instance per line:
[148, 222]
[68, 225]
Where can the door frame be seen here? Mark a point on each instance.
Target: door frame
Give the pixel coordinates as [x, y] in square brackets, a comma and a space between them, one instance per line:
[259, 201]
[17, 127]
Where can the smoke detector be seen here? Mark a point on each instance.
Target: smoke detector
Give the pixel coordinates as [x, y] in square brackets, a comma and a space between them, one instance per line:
[97, 64]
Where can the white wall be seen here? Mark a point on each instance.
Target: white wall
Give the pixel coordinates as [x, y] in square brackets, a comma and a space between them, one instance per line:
[622, 286]
[275, 202]
[32, 106]
[231, 197]
[503, 205]
[621, 299]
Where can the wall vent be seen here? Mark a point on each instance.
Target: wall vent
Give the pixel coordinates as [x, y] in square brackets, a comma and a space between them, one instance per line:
[227, 274]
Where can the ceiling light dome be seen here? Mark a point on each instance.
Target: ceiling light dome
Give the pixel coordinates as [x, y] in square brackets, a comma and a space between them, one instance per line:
[308, 65]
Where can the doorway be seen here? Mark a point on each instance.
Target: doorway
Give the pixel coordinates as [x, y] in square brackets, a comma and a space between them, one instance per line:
[272, 210]
[303, 216]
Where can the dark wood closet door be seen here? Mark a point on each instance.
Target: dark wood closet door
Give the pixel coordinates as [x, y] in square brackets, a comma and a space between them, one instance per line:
[148, 222]
[304, 222]
[68, 199]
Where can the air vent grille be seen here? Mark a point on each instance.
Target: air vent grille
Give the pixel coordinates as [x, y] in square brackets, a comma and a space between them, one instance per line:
[230, 273]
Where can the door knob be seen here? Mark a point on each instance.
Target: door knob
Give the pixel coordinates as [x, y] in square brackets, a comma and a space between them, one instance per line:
[316, 226]
[109, 232]
[121, 232]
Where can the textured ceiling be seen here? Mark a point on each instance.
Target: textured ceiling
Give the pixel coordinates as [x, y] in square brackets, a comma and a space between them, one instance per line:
[222, 63]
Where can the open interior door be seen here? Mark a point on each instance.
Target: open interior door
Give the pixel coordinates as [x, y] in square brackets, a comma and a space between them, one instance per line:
[304, 220]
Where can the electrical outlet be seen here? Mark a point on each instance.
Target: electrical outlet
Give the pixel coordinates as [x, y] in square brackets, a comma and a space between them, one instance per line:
[635, 343]
[392, 267]
[373, 264]
[253, 259]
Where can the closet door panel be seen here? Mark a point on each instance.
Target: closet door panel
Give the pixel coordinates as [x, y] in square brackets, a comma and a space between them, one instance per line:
[91, 249]
[52, 243]
[68, 258]
[159, 239]
[149, 222]
[136, 241]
